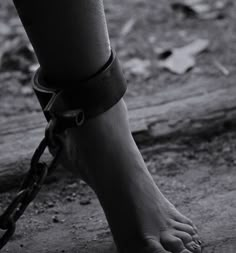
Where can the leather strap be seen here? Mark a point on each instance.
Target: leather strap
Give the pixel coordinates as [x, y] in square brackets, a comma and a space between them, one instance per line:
[86, 100]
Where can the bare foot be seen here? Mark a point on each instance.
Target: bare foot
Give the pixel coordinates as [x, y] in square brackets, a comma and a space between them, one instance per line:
[141, 219]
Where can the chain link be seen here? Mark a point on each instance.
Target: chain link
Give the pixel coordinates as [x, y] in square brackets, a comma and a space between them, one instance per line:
[31, 184]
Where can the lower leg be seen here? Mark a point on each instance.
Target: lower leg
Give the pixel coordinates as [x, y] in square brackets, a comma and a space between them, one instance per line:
[70, 38]
[141, 218]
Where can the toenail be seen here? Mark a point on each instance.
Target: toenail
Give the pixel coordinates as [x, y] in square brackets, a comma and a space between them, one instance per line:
[194, 247]
[193, 232]
[199, 242]
[196, 234]
[196, 238]
[195, 228]
[191, 223]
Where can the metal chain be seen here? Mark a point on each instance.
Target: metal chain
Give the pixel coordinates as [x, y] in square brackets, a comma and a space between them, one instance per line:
[31, 184]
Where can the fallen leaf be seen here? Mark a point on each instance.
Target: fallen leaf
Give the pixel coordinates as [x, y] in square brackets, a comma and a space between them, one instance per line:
[199, 9]
[193, 2]
[194, 48]
[178, 63]
[184, 10]
[181, 60]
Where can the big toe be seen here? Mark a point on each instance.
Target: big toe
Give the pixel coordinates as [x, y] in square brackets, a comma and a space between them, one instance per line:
[172, 243]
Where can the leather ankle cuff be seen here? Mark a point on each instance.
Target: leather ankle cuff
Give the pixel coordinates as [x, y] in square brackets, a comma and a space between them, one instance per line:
[86, 100]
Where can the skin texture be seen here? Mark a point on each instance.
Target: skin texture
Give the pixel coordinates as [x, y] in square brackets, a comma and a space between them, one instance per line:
[70, 38]
[141, 218]
[103, 151]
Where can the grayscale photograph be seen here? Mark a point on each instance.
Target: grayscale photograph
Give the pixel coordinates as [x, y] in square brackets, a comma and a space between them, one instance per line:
[117, 126]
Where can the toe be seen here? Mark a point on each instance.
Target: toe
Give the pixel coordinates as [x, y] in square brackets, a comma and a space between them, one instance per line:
[195, 229]
[172, 243]
[189, 241]
[181, 218]
[197, 239]
[189, 230]
[193, 247]
[184, 227]
[185, 237]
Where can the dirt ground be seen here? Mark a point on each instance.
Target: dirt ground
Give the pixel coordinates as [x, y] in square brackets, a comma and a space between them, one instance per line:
[197, 174]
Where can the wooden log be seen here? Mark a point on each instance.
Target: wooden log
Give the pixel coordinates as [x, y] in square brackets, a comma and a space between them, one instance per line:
[184, 111]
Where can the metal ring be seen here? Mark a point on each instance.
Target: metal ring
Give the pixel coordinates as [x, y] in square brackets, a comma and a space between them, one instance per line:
[80, 117]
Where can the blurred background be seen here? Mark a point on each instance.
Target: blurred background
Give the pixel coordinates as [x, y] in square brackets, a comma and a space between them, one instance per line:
[143, 33]
[179, 60]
